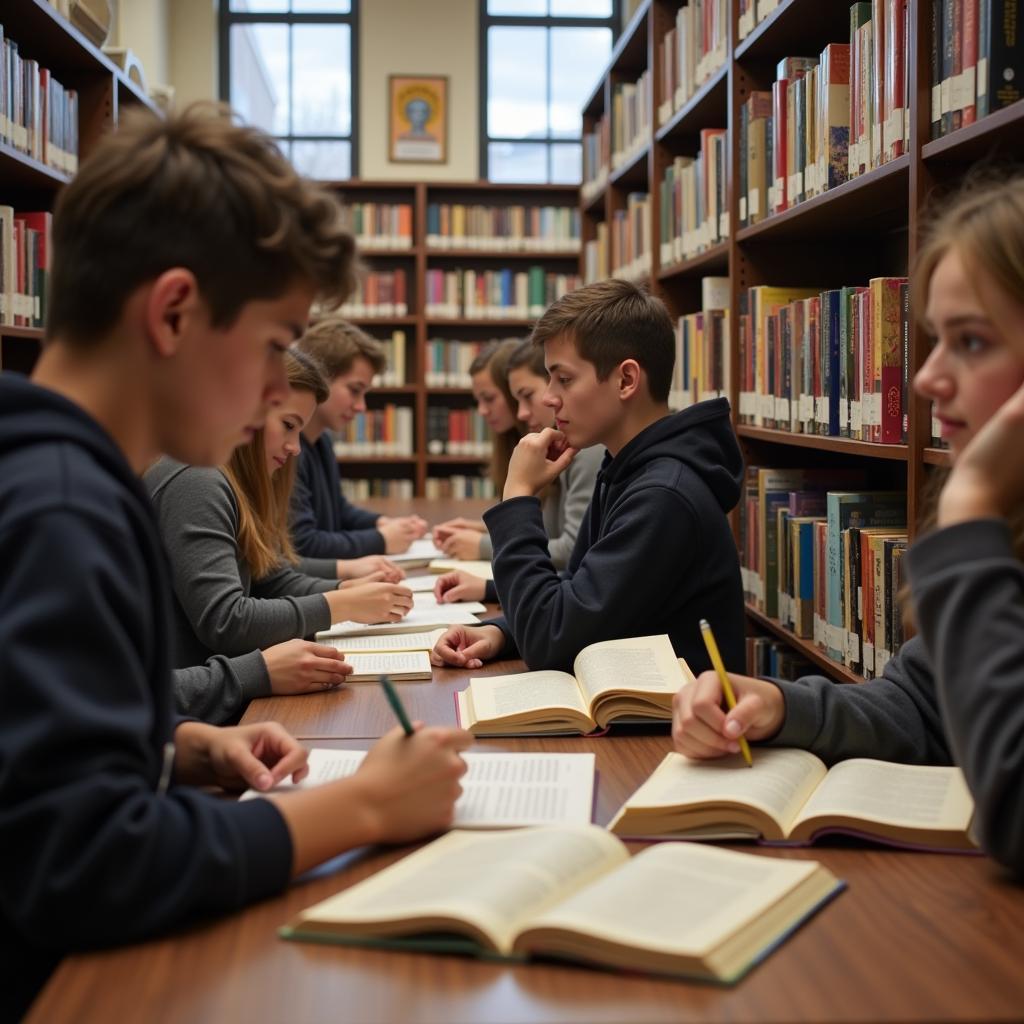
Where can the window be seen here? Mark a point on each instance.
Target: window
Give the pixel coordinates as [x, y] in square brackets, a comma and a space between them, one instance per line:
[539, 62]
[289, 67]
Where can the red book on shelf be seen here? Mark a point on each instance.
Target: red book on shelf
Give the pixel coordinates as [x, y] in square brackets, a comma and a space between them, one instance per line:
[969, 60]
[895, 66]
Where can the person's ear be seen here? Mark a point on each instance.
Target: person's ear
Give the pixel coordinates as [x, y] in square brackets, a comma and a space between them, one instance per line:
[171, 307]
[629, 378]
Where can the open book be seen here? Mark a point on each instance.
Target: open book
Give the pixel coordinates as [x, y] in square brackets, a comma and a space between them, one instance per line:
[476, 568]
[387, 642]
[790, 796]
[396, 664]
[616, 680]
[417, 621]
[575, 893]
[420, 553]
[499, 790]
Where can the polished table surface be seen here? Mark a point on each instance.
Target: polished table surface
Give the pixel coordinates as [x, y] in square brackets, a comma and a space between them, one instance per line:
[917, 937]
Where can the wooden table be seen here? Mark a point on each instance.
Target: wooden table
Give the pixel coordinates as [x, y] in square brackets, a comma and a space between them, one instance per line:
[918, 937]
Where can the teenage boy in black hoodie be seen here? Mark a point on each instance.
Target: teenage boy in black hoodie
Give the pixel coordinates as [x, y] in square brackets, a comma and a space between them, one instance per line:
[654, 553]
[186, 254]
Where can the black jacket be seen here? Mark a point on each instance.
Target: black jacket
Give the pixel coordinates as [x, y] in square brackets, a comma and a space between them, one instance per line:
[654, 554]
[91, 854]
[323, 523]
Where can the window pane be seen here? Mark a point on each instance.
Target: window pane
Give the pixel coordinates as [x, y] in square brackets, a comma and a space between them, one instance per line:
[566, 163]
[578, 56]
[514, 7]
[322, 80]
[517, 161]
[260, 6]
[322, 6]
[324, 161]
[517, 82]
[582, 8]
[259, 75]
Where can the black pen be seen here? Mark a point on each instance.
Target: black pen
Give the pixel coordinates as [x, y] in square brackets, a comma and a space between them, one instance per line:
[391, 695]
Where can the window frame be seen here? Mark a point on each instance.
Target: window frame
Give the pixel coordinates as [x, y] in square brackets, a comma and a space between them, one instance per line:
[226, 18]
[549, 21]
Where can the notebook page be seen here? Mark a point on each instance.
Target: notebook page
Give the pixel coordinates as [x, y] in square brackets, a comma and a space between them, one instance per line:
[394, 642]
[390, 663]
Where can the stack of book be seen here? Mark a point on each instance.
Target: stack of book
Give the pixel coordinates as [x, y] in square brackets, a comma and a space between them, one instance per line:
[495, 294]
[503, 228]
[631, 119]
[380, 225]
[701, 369]
[827, 362]
[694, 200]
[38, 115]
[596, 158]
[630, 233]
[394, 374]
[691, 52]
[457, 432]
[24, 267]
[379, 293]
[826, 562]
[385, 431]
[363, 490]
[977, 62]
[459, 486]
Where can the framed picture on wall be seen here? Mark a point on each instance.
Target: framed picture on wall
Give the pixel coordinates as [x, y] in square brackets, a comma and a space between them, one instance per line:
[418, 119]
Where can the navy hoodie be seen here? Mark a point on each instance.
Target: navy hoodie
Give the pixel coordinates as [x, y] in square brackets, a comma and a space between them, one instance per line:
[655, 553]
[323, 523]
[92, 853]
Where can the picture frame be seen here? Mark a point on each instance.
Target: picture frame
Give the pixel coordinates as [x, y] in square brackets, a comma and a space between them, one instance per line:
[418, 119]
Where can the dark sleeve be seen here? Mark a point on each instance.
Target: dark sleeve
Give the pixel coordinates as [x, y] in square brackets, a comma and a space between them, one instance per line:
[312, 539]
[321, 568]
[892, 718]
[355, 518]
[968, 589]
[218, 691]
[577, 488]
[198, 521]
[91, 854]
[490, 592]
[554, 617]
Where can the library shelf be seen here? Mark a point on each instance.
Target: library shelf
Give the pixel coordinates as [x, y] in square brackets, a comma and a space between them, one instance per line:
[711, 261]
[23, 171]
[388, 321]
[465, 322]
[391, 254]
[937, 457]
[504, 254]
[989, 136]
[808, 648]
[706, 108]
[394, 389]
[634, 170]
[863, 205]
[795, 26]
[595, 204]
[28, 333]
[457, 460]
[383, 460]
[450, 391]
[845, 445]
[630, 51]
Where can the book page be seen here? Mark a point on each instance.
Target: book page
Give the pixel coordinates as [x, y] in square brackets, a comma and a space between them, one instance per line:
[681, 898]
[429, 601]
[420, 584]
[421, 550]
[423, 641]
[418, 620]
[646, 664]
[390, 663]
[500, 696]
[476, 568]
[780, 782]
[496, 881]
[499, 790]
[913, 796]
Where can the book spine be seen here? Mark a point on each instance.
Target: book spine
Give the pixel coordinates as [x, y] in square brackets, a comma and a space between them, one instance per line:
[969, 61]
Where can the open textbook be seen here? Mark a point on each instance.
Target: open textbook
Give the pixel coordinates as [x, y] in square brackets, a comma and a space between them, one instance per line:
[575, 893]
[418, 620]
[420, 553]
[790, 796]
[499, 790]
[368, 665]
[385, 643]
[616, 680]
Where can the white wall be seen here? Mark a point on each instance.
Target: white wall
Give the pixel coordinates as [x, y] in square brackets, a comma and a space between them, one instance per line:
[143, 27]
[419, 37]
[192, 50]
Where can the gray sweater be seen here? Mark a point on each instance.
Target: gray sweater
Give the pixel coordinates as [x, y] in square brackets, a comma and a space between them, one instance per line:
[953, 694]
[223, 618]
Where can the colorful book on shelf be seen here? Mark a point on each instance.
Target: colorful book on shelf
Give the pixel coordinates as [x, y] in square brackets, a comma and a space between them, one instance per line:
[575, 893]
[790, 796]
[626, 680]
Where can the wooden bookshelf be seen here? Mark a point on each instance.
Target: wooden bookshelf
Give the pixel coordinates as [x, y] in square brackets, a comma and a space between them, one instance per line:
[420, 328]
[867, 227]
[104, 91]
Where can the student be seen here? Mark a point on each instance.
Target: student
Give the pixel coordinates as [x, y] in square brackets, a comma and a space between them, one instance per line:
[226, 532]
[954, 694]
[655, 552]
[563, 503]
[323, 523]
[467, 538]
[168, 339]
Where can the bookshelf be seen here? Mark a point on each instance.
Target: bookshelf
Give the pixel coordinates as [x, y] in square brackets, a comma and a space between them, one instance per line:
[422, 326]
[867, 227]
[26, 183]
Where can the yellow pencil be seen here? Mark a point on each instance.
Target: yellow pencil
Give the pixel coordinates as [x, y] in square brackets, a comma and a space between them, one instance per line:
[730, 697]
